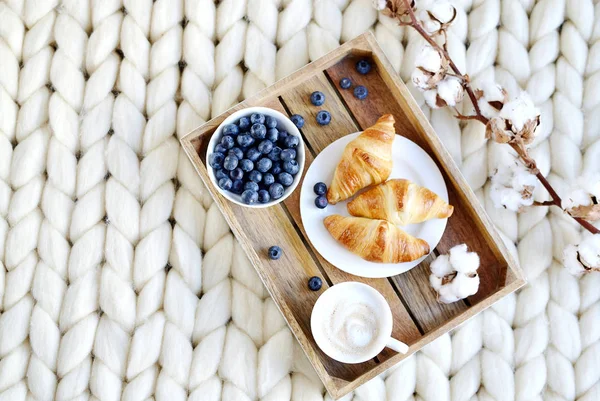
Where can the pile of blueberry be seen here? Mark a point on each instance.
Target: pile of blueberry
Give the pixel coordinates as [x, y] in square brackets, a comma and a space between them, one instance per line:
[363, 67]
[255, 159]
[320, 189]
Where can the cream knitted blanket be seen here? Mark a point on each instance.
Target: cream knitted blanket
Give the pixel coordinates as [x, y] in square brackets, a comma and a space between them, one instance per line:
[119, 278]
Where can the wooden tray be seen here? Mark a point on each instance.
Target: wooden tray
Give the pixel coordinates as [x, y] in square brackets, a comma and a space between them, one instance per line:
[418, 317]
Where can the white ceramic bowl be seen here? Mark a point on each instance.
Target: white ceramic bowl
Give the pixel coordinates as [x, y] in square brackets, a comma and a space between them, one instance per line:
[283, 123]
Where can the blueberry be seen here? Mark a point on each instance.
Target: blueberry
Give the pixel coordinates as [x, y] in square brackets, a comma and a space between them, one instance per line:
[276, 169]
[220, 148]
[360, 92]
[282, 136]
[245, 140]
[220, 174]
[228, 142]
[291, 141]
[275, 153]
[268, 179]
[258, 131]
[345, 83]
[225, 183]
[321, 202]
[237, 187]
[320, 188]
[270, 122]
[323, 117]
[253, 154]
[216, 160]
[276, 190]
[264, 165]
[298, 120]
[237, 152]
[249, 197]
[315, 283]
[275, 252]
[285, 178]
[247, 165]
[265, 146]
[236, 174]
[244, 124]
[255, 176]
[231, 129]
[230, 163]
[288, 154]
[251, 185]
[291, 167]
[272, 134]
[263, 196]
[317, 98]
[363, 66]
[257, 118]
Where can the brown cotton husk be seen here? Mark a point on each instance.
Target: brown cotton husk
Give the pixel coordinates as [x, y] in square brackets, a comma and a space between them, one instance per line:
[590, 213]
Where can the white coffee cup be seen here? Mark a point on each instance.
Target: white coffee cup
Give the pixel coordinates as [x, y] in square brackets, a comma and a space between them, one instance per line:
[352, 323]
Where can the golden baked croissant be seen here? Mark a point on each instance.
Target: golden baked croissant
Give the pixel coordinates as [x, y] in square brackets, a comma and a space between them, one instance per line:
[375, 240]
[366, 160]
[400, 202]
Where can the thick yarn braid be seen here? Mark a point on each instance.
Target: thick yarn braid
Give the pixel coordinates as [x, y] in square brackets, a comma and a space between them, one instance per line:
[389, 36]
[49, 284]
[24, 215]
[325, 31]
[229, 53]
[79, 316]
[291, 37]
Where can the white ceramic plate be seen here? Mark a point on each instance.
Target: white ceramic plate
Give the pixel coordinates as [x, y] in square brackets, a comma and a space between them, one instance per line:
[410, 162]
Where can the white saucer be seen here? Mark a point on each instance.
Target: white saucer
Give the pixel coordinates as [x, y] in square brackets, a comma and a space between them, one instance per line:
[410, 162]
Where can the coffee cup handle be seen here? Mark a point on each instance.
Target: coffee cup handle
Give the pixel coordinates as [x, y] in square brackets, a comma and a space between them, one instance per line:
[397, 346]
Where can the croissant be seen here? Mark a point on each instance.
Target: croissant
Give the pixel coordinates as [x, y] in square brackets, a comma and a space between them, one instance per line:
[375, 240]
[366, 160]
[400, 202]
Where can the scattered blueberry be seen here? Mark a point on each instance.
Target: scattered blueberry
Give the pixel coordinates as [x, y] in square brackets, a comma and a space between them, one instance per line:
[245, 140]
[275, 252]
[237, 152]
[360, 92]
[258, 131]
[220, 148]
[236, 174]
[276, 190]
[237, 187]
[231, 129]
[251, 185]
[264, 165]
[291, 167]
[317, 98]
[249, 197]
[216, 160]
[323, 117]
[230, 163]
[288, 154]
[244, 124]
[257, 118]
[363, 66]
[282, 136]
[315, 283]
[268, 179]
[227, 142]
[220, 174]
[320, 188]
[285, 179]
[276, 169]
[272, 134]
[292, 141]
[247, 165]
[225, 183]
[321, 202]
[298, 120]
[255, 176]
[270, 122]
[263, 196]
[345, 83]
[265, 147]
[253, 154]
[275, 154]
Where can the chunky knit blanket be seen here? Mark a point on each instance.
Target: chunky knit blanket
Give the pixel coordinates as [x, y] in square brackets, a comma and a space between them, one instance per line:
[119, 278]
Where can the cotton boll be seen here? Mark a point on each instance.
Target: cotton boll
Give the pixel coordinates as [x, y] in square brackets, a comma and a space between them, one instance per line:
[447, 294]
[513, 186]
[443, 11]
[435, 282]
[590, 183]
[576, 197]
[571, 262]
[430, 97]
[421, 79]
[519, 110]
[450, 90]
[589, 251]
[441, 266]
[465, 285]
[429, 59]
[454, 276]
[463, 261]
